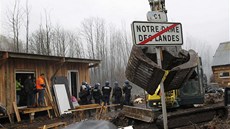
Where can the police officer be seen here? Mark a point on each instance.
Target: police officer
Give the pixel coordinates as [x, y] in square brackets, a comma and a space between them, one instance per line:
[127, 91]
[83, 95]
[96, 93]
[106, 90]
[117, 93]
[88, 90]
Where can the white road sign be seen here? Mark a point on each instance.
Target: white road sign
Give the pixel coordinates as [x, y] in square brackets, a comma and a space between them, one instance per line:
[155, 16]
[158, 34]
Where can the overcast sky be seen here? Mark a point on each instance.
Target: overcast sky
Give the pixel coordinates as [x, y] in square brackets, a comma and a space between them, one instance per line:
[204, 20]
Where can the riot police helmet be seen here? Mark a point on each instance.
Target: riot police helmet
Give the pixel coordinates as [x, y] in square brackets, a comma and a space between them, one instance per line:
[84, 83]
[126, 82]
[116, 83]
[107, 83]
[97, 85]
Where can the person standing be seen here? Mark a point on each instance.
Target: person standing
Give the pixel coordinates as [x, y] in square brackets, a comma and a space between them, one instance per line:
[40, 86]
[96, 93]
[83, 95]
[106, 91]
[127, 91]
[29, 88]
[117, 94]
[19, 87]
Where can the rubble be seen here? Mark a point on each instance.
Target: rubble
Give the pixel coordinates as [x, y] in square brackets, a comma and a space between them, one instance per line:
[138, 100]
[212, 98]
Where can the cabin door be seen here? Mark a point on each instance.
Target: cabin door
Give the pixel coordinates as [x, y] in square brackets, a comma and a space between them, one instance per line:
[73, 82]
[21, 95]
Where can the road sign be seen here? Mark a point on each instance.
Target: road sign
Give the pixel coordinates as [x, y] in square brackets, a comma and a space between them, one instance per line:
[155, 16]
[158, 34]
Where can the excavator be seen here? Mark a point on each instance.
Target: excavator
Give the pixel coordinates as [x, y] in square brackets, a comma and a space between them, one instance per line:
[182, 77]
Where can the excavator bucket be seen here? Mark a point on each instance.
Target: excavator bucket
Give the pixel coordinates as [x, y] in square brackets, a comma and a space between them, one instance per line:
[143, 70]
[138, 113]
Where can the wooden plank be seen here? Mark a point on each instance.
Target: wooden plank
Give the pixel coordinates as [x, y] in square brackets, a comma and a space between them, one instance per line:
[90, 108]
[16, 112]
[87, 106]
[32, 110]
[8, 114]
[54, 125]
[50, 98]
[48, 111]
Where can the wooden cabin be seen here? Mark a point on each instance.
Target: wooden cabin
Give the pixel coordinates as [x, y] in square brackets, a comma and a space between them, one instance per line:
[17, 66]
[221, 65]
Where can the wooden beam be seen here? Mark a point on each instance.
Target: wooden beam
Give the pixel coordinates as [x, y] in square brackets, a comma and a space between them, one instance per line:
[50, 98]
[54, 125]
[48, 111]
[16, 112]
[32, 110]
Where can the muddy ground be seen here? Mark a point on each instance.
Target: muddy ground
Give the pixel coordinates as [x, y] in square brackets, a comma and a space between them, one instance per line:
[118, 119]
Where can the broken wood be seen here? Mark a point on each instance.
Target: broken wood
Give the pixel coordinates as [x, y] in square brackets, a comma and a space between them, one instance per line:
[78, 112]
[50, 98]
[48, 111]
[8, 114]
[16, 111]
[54, 125]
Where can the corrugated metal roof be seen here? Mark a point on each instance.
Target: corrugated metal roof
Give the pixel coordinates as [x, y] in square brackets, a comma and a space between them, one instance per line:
[222, 55]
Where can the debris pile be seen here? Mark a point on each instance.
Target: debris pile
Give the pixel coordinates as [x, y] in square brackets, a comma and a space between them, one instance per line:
[120, 120]
[138, 101]
[212, 98]
[217, 123]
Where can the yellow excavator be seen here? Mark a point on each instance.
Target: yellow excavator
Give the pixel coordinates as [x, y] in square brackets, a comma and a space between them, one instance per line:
[183, 84]
[170, 99]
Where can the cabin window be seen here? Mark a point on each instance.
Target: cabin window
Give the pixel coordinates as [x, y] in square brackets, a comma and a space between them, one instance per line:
[224, 75]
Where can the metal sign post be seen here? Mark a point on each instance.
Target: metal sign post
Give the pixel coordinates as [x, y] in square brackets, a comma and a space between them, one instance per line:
[163, 104]
[154, 34]
[158, 52]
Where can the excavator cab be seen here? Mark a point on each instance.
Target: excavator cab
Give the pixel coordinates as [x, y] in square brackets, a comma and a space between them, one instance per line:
[191, 92]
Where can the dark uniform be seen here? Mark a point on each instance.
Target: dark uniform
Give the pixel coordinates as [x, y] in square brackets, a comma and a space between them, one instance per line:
[83, 95]
[88, 90]
[127, 91]
[84, 100]
[117, 93]
[29, 88]
[96, 93]
[106, 90]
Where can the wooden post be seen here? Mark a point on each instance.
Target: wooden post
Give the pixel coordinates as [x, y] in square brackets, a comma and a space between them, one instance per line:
[49, 96]
[48, 111]
[9, 116]
[16, 112]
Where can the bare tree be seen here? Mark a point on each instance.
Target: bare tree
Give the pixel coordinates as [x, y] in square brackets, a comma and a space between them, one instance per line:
[206, 56]
[48, 33]
[14, 17]
[27, 12]
[75, 45]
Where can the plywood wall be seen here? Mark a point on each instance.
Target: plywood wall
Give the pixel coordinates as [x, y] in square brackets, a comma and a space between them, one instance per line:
[8, 69]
